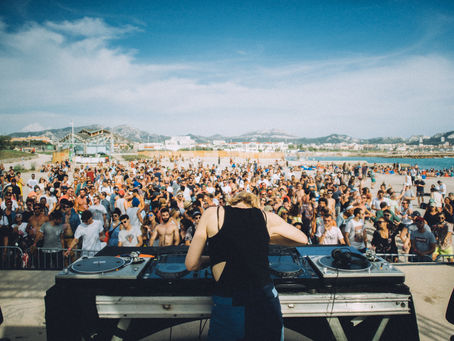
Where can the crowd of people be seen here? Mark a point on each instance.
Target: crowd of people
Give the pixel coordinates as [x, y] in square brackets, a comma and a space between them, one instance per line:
[159, 202]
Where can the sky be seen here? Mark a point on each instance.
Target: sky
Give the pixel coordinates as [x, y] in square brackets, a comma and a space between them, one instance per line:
[173, 67]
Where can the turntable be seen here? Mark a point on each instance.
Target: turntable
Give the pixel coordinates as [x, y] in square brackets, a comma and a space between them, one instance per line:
[344, 265]
[289, 270]
[171, 267]
[103, 267]
[285, 267]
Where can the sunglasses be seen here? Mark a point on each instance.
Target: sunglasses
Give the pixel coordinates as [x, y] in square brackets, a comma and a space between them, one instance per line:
[124, 221]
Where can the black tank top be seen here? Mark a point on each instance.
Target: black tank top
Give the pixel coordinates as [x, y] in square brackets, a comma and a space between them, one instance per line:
[242, 243]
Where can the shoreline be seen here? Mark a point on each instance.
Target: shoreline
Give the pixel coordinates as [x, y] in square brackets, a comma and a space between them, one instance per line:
[381, 155]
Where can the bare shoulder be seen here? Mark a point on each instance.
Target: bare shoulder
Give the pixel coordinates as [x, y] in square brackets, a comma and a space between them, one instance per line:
[272, 218]
[210, 211]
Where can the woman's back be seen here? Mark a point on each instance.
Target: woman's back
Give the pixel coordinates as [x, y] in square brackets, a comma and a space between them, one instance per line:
[242, 243]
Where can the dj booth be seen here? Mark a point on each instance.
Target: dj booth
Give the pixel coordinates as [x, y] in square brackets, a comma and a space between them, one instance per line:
[326, 293]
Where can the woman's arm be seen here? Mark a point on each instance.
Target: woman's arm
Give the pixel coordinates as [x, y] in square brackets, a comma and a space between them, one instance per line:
[194, 259]
[282, 232]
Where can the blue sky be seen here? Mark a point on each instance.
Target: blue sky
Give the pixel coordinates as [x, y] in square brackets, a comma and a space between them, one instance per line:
[309, 68]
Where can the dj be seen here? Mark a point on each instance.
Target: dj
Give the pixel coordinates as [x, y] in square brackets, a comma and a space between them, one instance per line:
[245, 302]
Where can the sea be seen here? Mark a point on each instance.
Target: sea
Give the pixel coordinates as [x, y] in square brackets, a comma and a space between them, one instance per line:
[428, 163]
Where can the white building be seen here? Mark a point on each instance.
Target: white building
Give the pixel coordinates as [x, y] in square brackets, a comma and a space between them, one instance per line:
[179, 142]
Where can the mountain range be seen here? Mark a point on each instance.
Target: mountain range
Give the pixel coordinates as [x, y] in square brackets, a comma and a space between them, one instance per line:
[136, 135]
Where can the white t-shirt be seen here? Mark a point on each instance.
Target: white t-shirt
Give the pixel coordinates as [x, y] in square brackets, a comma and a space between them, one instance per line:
[187, 194]
[106, 189]
[129, 237]
[133, 218]
[120, 203]
[90, 237]
[98, 212]
[332, 237]
[32, 183]
[356, 230]
[376, 203]
[226, 189]
[22, 229]
[51, 201]
[438, 198]
[443, 189]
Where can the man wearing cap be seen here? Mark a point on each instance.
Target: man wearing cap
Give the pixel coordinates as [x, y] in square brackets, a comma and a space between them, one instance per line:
[120, 202]
[191, 229]
[71, 221]
[422, 242]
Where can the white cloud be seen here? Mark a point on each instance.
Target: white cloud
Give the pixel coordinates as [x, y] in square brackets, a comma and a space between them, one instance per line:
[89, 27]
[45, 70]
[33, 127]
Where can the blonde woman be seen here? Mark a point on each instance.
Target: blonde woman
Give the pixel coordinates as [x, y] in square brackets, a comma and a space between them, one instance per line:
[245, 302]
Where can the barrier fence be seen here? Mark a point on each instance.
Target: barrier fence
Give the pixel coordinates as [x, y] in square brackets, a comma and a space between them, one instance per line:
[14, 258]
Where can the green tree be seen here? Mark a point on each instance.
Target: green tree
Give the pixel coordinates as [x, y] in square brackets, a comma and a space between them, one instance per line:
[5, 142]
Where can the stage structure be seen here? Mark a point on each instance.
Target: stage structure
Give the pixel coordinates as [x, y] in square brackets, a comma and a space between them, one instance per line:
[326, 293]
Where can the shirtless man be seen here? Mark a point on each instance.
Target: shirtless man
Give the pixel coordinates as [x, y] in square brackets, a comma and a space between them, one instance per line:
[167, 232]
[36, 220]
[81, 203]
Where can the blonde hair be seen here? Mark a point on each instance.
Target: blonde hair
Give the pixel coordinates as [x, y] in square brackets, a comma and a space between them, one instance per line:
[246, 198]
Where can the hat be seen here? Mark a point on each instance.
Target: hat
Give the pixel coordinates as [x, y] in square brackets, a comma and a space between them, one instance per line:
[196, 213]
[416, 214]
[135, 202]
[432, 202]
[349, 208]
[187, 204]
[121, 192]
[419, 219]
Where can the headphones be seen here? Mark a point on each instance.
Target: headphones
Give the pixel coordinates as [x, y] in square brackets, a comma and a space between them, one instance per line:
[344, 259]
